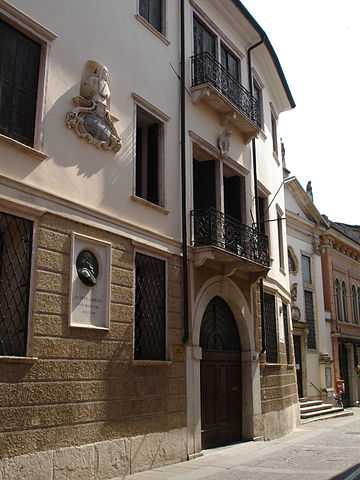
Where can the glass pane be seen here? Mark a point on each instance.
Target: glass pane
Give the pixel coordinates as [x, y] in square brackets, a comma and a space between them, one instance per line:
[306, 268]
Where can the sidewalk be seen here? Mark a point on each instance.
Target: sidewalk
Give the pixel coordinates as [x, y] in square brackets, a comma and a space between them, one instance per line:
[319, 450]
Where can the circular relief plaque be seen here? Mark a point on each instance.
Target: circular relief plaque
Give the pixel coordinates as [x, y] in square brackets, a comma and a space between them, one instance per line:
[87, 268]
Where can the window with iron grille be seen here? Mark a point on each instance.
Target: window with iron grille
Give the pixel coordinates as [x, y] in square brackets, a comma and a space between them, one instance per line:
[152, 11]
[150, 308]
[15, 269]
[310, 318]
[270, 329]
[19, 75]
[286, 331]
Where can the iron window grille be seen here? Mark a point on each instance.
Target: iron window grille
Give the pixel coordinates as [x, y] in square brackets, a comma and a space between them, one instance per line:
[270, 329]
[15, 270]
[286, 332]
[310, 318]
[150, 308]
[211, 227]
[206, 69]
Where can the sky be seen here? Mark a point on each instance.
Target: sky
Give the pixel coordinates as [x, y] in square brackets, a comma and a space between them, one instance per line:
[317, 42]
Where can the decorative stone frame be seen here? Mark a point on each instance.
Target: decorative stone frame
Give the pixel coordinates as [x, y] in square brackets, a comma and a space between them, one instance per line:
[295, 260]
[44, 37]
[251, 401]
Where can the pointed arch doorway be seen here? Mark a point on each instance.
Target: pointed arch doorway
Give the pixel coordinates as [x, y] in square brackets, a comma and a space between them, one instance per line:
[220, 374]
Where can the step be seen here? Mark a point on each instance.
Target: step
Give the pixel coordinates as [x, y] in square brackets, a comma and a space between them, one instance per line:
[310, 403]
[322, 412]
[343, 413]
[315, 408]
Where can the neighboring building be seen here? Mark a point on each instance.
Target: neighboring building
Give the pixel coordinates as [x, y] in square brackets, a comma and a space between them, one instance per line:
[340, 247]
[94, 349]
[311, 326]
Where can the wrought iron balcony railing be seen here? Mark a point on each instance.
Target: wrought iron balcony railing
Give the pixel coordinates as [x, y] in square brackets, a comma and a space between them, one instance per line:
[214, 228]
[206, 69]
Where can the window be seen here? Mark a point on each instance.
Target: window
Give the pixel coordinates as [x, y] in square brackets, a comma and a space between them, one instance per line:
[274, 133]
[204, 39]
[19, 75]
[339, 310]
[286, 332]
[149, 156]
[230, 62]
[150, 308]
[270, 329]
[15, 269]
[358, 302]
[310, 318]
[262, 214]
[280, 240]
[291, 262]
[152, 11]
[306, 268]
[257, 93]
[344, 302]
[355, 305]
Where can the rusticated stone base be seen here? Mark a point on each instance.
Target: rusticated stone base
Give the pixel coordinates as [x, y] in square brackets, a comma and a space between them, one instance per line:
[99, 461]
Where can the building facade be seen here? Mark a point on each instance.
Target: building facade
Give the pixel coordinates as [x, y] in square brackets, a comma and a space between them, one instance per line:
[102, 373]
[311, 326]
[340, 262]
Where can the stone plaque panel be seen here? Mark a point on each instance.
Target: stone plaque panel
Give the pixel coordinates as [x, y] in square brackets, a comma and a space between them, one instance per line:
[90, 283]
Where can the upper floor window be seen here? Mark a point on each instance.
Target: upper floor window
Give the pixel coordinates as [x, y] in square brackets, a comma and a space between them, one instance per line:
[153, 12]
[306, 268]
[292, 262]
[358, 302]
[204, 39]
[274, 133]
[310, 318]
[150, 308]
[149, 156]
[338, 301]
[344, 302]
[355, 306]
[19, 78]
[15, 268]
[230, 62]
[263, 203]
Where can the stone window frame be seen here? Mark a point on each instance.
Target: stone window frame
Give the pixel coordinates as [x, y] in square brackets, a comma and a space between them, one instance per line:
[163, 118]
[33, 215]
[161, 35]
[44, 37]
[294, 259]
[355, 305]
[151, 252]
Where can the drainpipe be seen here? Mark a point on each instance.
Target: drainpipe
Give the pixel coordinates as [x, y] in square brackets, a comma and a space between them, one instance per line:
[257, 207]
[183, 177]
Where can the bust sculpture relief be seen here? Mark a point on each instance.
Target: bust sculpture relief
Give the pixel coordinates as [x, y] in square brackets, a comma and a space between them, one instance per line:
[87, 268]
[91, 118]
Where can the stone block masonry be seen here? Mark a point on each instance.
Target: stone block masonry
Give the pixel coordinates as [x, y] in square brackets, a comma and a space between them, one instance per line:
[84, 409]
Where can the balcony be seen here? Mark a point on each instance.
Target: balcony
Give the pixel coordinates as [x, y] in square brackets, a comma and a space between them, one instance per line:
[221, 238]
[213, 85]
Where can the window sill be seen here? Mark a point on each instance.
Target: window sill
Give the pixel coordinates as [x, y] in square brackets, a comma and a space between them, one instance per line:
[19, 360]
[33, 152]
[146, 203]
[151, 363]
[152, 29]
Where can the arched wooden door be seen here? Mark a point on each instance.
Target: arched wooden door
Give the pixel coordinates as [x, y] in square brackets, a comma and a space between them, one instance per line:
[220, 373]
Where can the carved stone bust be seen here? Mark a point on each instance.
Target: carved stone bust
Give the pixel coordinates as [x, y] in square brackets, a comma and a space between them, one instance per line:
[87, 268]
[91, 119]
[224, 142]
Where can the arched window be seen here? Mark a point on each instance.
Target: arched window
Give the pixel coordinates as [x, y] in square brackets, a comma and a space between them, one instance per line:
[358, 301]
[355, 305]
[339, 311]
[344, 302]
[291, 262]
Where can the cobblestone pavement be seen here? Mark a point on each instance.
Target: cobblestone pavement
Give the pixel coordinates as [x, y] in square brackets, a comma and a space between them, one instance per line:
[325, 450]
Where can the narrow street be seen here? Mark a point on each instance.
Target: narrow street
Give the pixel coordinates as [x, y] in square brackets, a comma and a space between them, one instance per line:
[325, 450]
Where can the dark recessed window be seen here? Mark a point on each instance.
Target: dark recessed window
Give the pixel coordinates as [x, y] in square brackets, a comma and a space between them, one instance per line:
[274, 133]
[286, 332]
[306, 268]
[204, 39]
[149, 153]
[270, 329]
[19, 75]
[230, 63]
[280, 240]
[152, 11]
[310, 318]
[257, 93]
[15, 269]
[150, 308]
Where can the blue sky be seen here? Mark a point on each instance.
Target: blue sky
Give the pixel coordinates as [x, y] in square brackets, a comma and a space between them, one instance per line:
[318, 46]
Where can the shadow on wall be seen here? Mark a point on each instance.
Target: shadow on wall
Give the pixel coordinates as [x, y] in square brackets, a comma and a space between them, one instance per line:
[352, 473]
